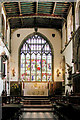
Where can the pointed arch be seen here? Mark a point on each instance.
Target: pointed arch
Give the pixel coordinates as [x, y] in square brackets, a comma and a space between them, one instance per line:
[36, 67]
[77, 15]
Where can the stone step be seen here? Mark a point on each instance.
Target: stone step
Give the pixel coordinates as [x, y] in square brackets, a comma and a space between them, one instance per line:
[36, 103]
[37, 106]
[37, 110]
[34, 100]
[35, 96]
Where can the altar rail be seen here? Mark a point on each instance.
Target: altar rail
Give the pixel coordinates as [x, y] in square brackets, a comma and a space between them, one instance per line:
[17, 99]
[10, 99]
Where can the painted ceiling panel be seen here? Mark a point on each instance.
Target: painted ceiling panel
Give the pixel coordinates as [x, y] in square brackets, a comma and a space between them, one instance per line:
[45, 7]
[21, 9]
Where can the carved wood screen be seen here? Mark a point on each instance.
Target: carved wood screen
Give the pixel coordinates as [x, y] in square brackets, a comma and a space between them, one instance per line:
[76, 55]
[76, 51]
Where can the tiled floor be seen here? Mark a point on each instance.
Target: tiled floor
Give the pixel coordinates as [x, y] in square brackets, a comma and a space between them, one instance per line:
[39, 116]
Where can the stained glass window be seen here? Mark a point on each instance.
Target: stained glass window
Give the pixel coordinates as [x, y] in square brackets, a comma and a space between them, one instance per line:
[36, 60]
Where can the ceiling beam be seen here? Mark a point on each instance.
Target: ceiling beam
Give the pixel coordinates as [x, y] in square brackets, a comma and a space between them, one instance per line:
[20, 11]
[54, 8]
[36, 7]
[4, 9]
[69, 8]
[38, 15]
[19, 7]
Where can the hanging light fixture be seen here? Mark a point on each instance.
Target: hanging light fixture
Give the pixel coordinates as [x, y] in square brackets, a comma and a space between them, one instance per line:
[36, 29]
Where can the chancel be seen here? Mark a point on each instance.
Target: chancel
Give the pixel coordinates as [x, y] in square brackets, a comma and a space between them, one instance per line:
[40, 60]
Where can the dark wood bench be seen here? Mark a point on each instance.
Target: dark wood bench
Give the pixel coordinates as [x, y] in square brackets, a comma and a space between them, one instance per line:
[11, 111]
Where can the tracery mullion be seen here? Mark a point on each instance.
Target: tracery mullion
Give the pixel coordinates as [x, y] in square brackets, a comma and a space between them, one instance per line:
[20, 66]
[46, 61]
[36, 65]
[41, 61]
[36, 61]
[30, 64]
[52, 71]
[46, 67]
[25, 65]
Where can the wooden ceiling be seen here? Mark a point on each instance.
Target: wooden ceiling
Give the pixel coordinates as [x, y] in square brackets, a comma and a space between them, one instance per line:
[36, 14]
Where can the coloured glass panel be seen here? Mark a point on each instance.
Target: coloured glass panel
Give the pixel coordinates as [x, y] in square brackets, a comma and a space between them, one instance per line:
[44, 67]
[49, 67]
[33, 67]
[38, 67]
[27, 67]
[23, 66]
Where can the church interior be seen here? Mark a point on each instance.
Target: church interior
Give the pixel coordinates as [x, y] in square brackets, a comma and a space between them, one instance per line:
[39, 60]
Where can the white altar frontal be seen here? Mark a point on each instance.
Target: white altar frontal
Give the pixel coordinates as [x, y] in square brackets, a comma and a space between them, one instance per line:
[35, 89]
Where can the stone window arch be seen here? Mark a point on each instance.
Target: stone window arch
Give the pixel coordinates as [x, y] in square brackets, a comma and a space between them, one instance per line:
[36, 59]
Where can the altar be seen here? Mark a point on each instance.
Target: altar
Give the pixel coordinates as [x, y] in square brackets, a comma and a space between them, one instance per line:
[35, 89]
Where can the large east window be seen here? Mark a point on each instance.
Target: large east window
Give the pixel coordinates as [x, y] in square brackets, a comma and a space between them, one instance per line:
[36, 60]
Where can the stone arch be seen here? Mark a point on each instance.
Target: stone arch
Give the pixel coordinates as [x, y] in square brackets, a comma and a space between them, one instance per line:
[47, 40]
[40, 34]
[77, 15]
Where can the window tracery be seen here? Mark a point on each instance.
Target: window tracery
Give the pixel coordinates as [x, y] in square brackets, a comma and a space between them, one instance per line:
[36, 60]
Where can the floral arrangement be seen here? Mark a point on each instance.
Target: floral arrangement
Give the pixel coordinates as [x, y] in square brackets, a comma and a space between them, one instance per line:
[14, 86]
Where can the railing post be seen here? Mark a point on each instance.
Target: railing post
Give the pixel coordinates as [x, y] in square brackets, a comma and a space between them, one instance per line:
[9, 99]
[12, 99]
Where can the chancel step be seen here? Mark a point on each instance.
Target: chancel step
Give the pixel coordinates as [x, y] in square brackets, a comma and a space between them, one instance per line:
[36, 102]
[37, 106]
[36, 99]
[36, 110]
